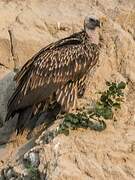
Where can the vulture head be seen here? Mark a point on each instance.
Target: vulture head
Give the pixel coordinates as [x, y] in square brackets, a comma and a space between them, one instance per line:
[91, 26]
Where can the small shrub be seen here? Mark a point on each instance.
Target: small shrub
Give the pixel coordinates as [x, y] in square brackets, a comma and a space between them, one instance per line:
[94, 118]
[110, 100]
[79, 120]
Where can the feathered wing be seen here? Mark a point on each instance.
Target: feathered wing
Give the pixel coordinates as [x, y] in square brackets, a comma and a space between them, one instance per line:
[60, 64]
[66, 96]
[73, 39]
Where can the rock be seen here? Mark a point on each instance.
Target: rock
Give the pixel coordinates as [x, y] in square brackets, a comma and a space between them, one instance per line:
[13, 178]
[6, 89]
[32, 158]
[26, 178]
[24, 147]
[9, 173]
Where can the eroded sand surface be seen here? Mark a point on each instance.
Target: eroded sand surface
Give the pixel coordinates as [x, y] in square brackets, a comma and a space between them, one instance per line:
[84, 154]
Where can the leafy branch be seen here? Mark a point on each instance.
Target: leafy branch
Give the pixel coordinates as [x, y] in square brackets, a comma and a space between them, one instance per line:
[110, 100]
[94, 118]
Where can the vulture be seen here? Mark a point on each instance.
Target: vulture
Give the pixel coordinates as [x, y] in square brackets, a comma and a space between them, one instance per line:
[56, 74]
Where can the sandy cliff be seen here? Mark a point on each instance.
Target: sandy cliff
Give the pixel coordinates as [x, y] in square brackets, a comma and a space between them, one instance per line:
[28, 25]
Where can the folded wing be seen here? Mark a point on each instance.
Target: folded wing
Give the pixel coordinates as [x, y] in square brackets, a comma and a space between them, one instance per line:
[54, 66]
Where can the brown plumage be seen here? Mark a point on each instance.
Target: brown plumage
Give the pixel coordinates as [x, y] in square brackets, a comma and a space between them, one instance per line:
[56, 73]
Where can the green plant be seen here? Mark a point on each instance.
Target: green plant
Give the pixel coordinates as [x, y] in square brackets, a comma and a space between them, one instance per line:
[109, 101]
[79, 120]
[33, 172]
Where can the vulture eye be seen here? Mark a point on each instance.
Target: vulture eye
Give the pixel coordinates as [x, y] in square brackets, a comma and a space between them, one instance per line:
[91, 19]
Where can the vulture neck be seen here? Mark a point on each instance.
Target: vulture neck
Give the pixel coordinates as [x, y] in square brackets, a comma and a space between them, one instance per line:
[93, 36]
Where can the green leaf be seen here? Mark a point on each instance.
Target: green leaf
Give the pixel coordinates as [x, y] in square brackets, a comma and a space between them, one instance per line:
[104, 97]
[122, 85]
[116, 105]
[110, 102]
[84, 124]
[66, 132]
[120, 93]
[97, 126]
[107, 113]
[119, 99]
[68, 124]
[99, 109]
[113, 88]
[75, 120]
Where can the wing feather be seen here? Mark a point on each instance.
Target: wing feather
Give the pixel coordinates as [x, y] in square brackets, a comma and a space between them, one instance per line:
[45, 73]
[66, 96]
[73, 39]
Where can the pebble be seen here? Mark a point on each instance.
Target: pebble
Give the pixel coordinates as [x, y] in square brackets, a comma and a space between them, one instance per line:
[32, 158]
[9, 173]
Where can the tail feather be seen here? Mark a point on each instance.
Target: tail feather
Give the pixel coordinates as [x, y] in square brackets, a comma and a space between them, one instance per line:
[27, 117]
[30, 117]
[9, 115]
[24, 116]
[12, 103]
